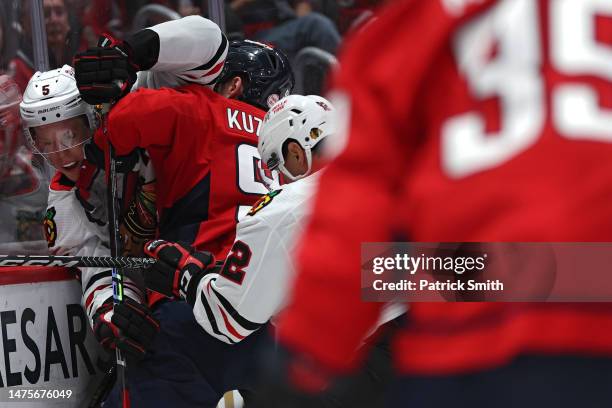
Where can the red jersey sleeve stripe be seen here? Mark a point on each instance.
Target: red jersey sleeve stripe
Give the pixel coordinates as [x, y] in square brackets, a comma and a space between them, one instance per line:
[229, 327]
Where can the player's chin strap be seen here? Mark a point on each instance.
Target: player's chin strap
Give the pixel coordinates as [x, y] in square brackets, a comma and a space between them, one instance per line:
[287, 173]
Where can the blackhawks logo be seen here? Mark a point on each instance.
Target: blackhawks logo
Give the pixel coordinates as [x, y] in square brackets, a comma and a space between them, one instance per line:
[263, 201]
[50, 227]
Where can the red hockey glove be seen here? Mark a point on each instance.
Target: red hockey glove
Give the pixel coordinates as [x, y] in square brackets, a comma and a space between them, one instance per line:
[178, 269]
[105, 73]
[128, 326]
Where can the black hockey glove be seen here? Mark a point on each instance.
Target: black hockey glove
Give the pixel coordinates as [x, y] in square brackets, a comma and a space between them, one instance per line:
[178, 269]
[129, 326]
[105, 73]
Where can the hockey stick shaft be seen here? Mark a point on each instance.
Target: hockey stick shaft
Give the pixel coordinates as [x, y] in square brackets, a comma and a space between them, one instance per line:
[104, 388]
[117, 275]
[76, 261]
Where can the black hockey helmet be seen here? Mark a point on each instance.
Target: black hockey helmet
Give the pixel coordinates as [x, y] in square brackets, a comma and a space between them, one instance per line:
[266, 71]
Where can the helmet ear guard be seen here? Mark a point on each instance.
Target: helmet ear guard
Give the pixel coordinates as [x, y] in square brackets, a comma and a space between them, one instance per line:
[305, 120]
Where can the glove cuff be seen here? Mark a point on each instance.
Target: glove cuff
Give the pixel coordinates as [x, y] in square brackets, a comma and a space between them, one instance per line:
[106, 306]
[143, 48]
[192, 289]
[109, 303]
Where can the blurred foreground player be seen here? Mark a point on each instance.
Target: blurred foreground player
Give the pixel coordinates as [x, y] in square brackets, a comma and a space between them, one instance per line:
[495, 126]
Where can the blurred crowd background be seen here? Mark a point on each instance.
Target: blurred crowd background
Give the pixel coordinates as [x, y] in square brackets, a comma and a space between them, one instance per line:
[309, 31]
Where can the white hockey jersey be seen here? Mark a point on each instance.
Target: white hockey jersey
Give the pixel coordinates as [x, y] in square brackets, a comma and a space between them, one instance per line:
[70, 232]
[253, 283]
[187, 47]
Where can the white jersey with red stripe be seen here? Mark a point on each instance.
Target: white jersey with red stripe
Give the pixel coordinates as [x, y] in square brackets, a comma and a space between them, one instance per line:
[252, 285]
[70, 232]
[191, 49]
[254, 281]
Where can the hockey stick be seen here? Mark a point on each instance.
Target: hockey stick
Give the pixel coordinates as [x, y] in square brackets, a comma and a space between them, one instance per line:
[117, 275]
[76, 261]
[104, 388]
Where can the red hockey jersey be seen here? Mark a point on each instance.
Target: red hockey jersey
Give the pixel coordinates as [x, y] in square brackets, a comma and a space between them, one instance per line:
[204, 152]
[468, 120]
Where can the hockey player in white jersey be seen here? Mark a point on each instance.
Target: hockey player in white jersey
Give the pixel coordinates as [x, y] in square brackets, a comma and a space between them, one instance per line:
[59, 125]
[58, 128]
[251, 287]
[231, 302]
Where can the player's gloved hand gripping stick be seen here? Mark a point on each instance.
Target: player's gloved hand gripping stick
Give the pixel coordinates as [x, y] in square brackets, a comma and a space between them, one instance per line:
[109, 59]
[178, 270]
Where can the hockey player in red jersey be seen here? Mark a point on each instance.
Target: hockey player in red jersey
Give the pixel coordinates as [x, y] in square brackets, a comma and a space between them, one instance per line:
[239, 299]
[494, 126]
[250, 288]
[203, 148]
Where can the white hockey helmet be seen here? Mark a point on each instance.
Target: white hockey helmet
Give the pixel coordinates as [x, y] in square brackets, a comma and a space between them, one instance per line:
[304, 119]
[51, 97]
